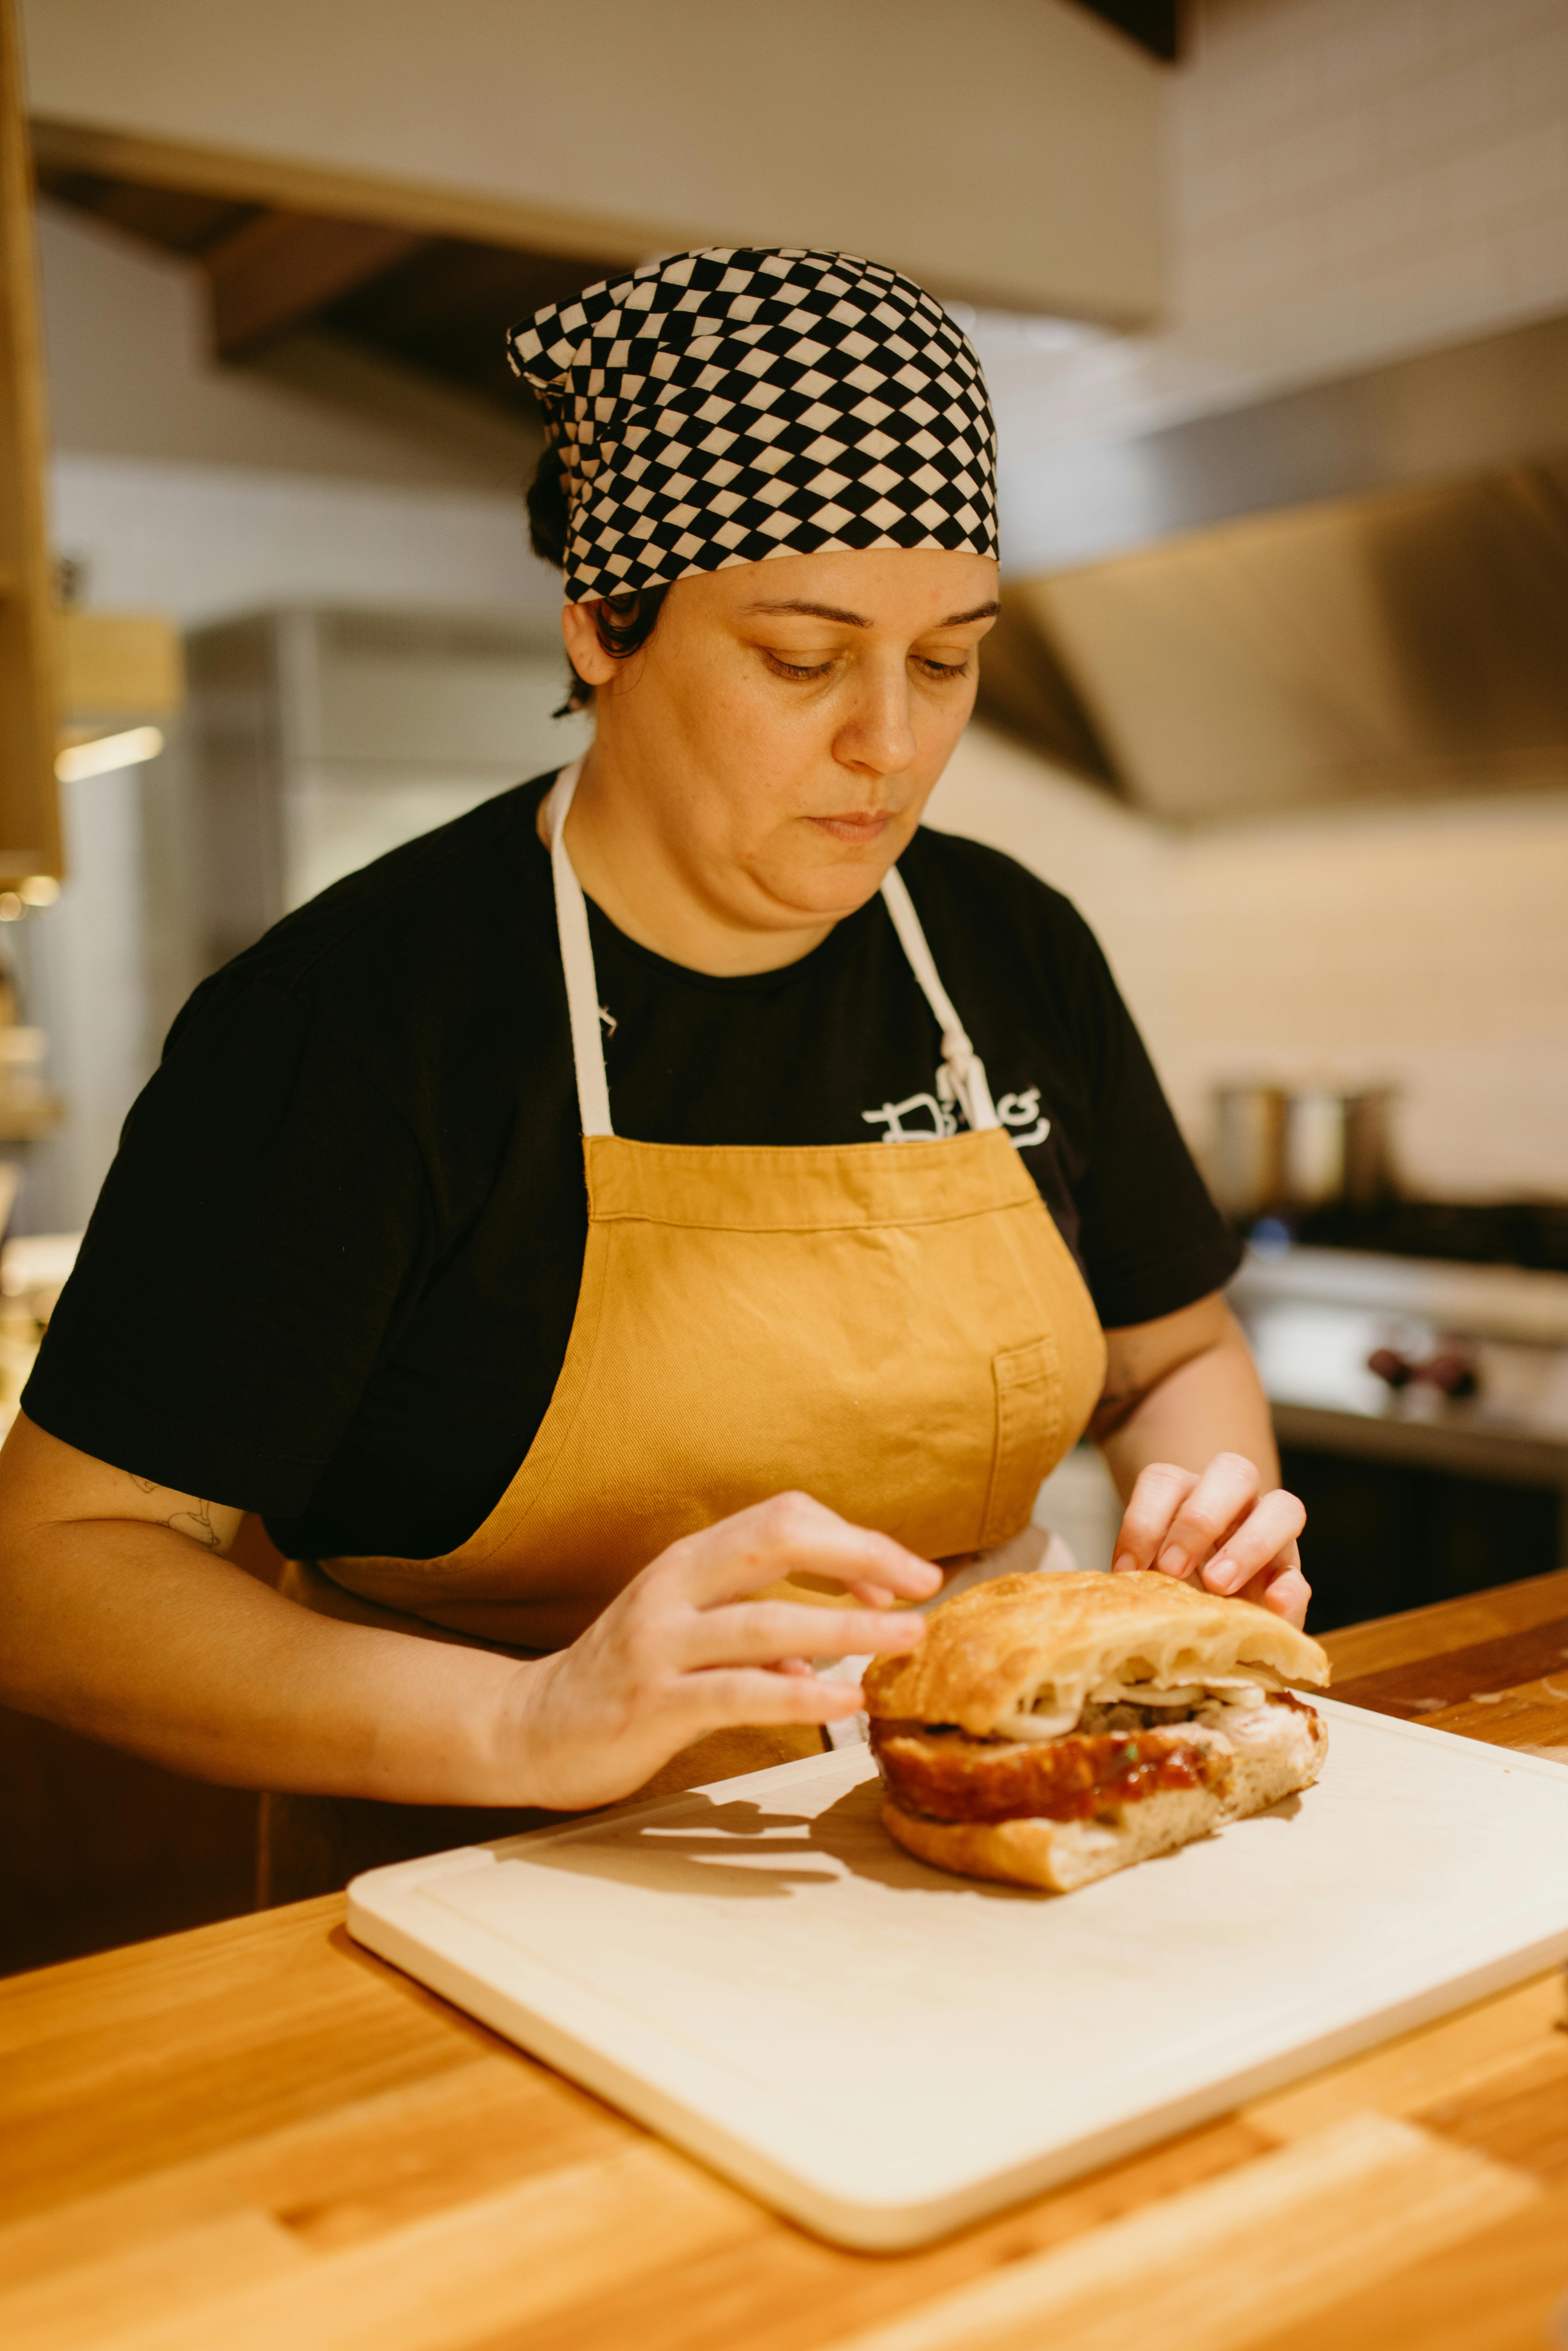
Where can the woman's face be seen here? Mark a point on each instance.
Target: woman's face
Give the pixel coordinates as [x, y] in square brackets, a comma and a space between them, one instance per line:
[781, 731]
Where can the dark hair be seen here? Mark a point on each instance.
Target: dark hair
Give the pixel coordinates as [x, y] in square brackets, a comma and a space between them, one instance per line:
[624, 623]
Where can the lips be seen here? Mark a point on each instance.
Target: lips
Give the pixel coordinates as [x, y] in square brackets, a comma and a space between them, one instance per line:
[857, 827]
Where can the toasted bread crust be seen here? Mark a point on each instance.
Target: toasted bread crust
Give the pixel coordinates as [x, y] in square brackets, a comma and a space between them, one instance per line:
[988, 1651]
[1055, 1857]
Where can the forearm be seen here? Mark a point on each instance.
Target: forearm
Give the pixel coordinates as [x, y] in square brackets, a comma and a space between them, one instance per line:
[1213, 1403]
[133, 1634]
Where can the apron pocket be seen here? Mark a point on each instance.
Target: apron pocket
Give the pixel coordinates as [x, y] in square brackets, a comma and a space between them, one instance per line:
[1029, 1433]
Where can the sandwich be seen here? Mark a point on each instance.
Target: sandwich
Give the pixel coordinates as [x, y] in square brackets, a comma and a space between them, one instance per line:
[1053, 1728]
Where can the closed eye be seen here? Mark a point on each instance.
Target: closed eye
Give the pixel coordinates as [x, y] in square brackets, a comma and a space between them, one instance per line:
[805, 672]
[782, 668]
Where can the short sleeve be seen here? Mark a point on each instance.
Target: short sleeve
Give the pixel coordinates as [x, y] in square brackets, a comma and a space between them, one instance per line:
[263, 1220]
[1153, 1240]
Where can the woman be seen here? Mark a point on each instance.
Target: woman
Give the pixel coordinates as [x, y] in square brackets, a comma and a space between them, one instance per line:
[536, 1444]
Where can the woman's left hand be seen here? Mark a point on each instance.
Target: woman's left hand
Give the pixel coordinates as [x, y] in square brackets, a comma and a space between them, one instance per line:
[1221, 1530]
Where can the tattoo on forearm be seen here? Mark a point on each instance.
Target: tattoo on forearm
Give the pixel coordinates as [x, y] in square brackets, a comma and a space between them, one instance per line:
[196, 1524]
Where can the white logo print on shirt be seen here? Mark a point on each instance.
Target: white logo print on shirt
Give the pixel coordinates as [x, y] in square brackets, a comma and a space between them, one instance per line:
[1015, 1111]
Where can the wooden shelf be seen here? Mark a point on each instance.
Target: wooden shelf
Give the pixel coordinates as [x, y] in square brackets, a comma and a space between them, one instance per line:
[29, 805]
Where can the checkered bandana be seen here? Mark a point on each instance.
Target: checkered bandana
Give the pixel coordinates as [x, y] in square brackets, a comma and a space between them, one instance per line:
[723, 407]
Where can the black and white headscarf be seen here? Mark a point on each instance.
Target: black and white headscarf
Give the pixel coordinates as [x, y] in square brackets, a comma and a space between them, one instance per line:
[722, 407]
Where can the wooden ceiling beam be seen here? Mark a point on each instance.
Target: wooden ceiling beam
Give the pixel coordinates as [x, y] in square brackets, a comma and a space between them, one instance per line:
[243, 177]
[275, 274]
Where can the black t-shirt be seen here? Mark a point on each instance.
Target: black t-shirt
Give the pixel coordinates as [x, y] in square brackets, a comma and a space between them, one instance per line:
[332, 1271]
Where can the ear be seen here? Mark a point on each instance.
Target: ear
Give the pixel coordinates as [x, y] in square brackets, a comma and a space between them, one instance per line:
[583, 649]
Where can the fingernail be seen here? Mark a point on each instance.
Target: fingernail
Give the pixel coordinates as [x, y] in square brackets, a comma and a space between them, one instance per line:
[1122, 1563]
[1171, 1560]
[1222, 1575]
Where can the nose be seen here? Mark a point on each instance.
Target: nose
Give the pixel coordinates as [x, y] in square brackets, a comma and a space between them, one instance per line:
[877, 737]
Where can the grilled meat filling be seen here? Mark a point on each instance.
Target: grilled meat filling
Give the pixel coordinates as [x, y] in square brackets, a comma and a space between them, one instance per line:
[948, 1776]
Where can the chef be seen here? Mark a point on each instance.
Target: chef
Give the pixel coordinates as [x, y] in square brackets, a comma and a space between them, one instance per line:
[679, 1195]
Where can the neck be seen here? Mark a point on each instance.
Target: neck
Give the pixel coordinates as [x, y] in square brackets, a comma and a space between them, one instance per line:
[625, 849]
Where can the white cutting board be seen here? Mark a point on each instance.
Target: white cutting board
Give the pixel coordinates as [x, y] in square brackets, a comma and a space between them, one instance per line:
[886, 2052]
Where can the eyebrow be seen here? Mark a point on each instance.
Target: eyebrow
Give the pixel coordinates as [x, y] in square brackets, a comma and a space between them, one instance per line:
[859, 620]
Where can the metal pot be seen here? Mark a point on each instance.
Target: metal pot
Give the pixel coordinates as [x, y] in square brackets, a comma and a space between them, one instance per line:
[1313, 1147]
[1249, 1149]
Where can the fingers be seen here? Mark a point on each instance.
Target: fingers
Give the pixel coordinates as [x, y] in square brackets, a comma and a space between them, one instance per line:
[773, 1633]
[1154, 1501]
[1282, 1588]
[1218, 1528]
[1287, 1593]
[1227, 1489]
[792, 1534]
[726, 1697]
[1261, 1540]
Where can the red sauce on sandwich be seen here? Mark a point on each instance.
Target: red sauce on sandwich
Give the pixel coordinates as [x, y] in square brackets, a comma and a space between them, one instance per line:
[950, 1777]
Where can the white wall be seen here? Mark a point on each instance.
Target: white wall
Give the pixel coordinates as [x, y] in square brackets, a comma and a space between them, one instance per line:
[1426, 949]
[1005, 144]
[1346, 181]
[200, 541]
[1355, 178]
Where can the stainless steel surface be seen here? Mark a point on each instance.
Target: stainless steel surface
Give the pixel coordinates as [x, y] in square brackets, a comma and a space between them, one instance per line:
[1314, 1317]
[322, 737]
[1480, 407]
[1359, 589]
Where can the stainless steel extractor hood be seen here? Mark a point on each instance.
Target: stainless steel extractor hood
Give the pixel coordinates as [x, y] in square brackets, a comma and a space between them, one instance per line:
[1356, 590]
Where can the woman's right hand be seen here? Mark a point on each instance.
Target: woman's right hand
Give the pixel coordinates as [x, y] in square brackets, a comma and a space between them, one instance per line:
[682, 1651]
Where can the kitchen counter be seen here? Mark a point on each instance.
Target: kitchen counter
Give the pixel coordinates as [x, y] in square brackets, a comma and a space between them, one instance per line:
[257, 2135]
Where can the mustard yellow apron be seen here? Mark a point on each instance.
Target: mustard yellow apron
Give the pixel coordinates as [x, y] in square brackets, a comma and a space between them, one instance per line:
[897, 1329]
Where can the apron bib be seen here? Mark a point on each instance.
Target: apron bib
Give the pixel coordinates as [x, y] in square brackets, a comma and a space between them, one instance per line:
[897, 1329]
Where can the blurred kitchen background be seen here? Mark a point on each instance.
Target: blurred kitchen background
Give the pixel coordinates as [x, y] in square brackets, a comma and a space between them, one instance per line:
[1274, 299]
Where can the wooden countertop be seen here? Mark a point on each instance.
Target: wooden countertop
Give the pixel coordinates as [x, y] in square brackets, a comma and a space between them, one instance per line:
[257, 2137]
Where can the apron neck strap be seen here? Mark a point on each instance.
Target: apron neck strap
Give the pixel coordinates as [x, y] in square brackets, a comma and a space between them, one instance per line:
[963, 1066]
[577, 962]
